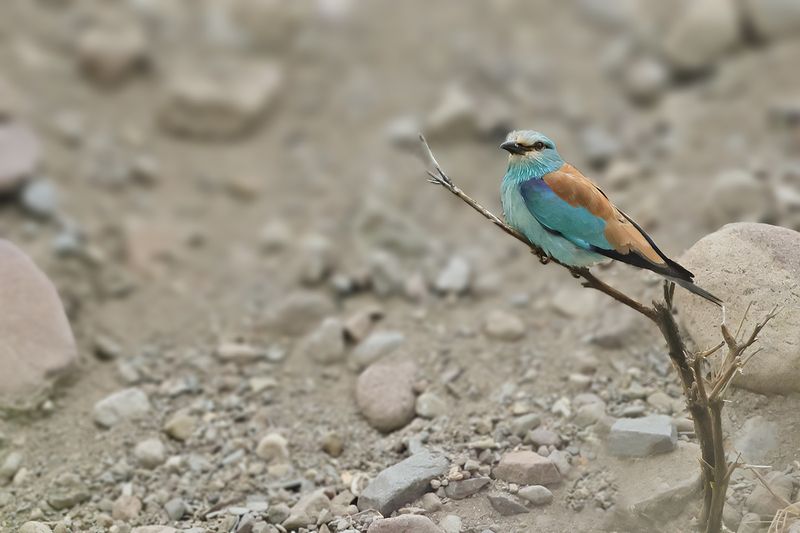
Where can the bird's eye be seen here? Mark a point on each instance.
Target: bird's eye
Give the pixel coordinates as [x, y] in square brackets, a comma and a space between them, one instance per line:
[538, 145]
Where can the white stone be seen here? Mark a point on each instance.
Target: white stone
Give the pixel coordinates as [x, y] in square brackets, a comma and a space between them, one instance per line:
[127, 404]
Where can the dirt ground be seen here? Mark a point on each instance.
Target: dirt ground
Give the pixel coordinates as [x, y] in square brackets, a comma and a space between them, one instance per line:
[188, 240]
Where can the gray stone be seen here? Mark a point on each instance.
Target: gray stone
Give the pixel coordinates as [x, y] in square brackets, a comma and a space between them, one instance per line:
[757, 439]
[575, 302]
[655, 490]
[738, 196]
[274, 236]
[358, 325]
[325, 344]
[19, 155]
[403, 131]
[404, 524]
[704, 31]
[38, 346]
[641, 437]
[180, 426]
[455, 277]
[589, 414]
[751, 523]
[431, 502]
[768, 501]
[306, 511]
[527, 468]
[385, 273]
[523, 424]
[126, 508]
[298, 313]
[402, 483]
[333, 444]
[773, 19]
[458, 490]
[150, 453]
[385, 394]
[110, 53]
[560, 458]
[543, 437]
[318, 259]
[599, 145]
[67, 491]
[269, 27]
[377, 345]
[175, 508]
[273, 448]
[504, 326]
[766, 267]
[450, 524]
[154, 529]
[731, 517]
[669, 501]
[536, 495]
[35, 527]
[40, 198]
[456, 115]
[646, 80]
[430, 405]
[220, 101]
[278, 513]
[10, 465]
[380, 226]
[506, 505]
[127, 404]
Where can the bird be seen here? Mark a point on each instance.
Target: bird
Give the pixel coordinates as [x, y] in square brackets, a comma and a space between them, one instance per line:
[571, 219]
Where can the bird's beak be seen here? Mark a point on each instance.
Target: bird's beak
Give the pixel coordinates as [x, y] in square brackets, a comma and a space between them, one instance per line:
[513, 148]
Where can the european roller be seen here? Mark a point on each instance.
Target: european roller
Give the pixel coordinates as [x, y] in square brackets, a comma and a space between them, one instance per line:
[565, 214]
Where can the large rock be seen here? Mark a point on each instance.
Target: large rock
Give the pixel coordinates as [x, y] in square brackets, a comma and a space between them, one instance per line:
[220, 101]
[385, 394]
[19, 155]
[743, 263]
[701, 35]
[738, 196]
[773, 19]
[38, 345]
[402, 483]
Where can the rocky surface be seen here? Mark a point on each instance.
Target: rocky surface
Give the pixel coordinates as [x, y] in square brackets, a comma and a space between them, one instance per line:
[279, 327]
[39, 345]
[759, 269]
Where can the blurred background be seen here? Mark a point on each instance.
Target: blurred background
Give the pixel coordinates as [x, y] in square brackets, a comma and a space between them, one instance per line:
[229, 199]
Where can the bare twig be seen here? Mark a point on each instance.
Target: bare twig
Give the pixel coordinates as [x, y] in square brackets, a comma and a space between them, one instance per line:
[703, 392]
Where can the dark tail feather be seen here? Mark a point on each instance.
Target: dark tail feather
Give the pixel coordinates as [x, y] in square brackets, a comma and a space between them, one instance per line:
[691, 287]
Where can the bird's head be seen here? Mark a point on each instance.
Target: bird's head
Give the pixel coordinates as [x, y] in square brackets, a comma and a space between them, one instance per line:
[532, 152]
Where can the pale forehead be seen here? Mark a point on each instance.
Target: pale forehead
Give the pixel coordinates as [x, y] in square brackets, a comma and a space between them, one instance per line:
[528, 137]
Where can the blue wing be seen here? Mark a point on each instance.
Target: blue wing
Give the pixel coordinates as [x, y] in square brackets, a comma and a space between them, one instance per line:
[573, 223]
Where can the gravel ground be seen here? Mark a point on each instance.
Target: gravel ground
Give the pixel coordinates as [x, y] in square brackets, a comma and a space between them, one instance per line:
[278, 326]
